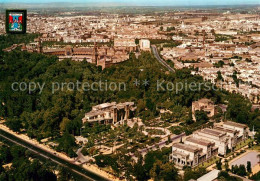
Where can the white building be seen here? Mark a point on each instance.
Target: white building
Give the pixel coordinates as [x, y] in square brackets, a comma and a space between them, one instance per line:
[241, 128]
[220, 139]
[183, 154]
[144, 44]
[208, 147]
[206, 143]
[212, 175]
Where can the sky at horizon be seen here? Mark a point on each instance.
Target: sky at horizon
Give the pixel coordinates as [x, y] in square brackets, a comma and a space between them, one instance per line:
[145, 2]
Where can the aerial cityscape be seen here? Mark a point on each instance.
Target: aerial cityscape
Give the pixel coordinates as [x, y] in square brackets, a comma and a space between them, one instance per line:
[133, 90]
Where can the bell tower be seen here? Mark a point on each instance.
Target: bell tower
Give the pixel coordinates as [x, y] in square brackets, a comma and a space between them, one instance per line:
[39, 48]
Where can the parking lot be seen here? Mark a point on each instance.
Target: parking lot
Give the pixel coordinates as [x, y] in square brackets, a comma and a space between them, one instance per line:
[251, 156]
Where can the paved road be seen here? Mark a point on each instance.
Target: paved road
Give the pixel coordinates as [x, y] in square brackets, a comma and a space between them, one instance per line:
[87, 175]
[157, 56]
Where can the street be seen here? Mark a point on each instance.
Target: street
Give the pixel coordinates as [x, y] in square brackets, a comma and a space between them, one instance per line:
[86, 174]
[157, 56]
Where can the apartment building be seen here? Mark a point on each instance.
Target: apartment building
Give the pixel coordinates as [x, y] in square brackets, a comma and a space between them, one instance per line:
[127, 43]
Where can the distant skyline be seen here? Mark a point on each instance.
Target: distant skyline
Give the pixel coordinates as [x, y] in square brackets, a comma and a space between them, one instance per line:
[144, 2]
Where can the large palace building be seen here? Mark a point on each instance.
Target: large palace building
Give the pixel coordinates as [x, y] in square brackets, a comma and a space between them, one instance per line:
[103, 56]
